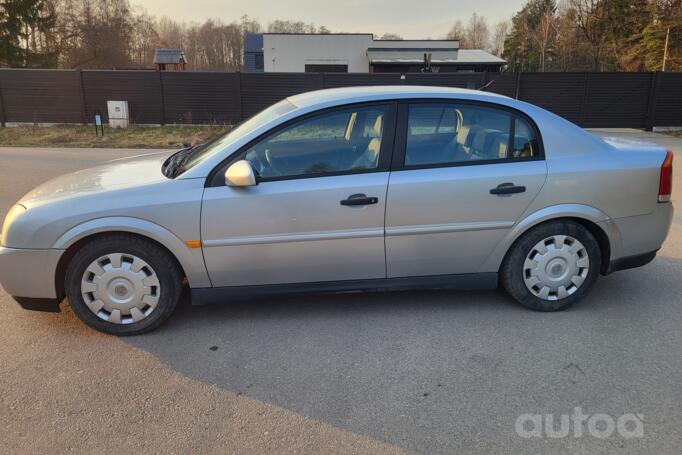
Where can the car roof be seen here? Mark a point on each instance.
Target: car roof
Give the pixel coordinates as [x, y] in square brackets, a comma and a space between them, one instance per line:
[346, 95]
[553, 128]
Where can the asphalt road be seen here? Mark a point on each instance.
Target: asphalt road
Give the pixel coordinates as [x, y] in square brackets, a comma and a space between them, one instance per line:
[426, 372]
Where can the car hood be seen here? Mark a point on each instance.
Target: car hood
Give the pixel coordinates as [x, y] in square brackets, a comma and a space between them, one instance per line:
[114, 175]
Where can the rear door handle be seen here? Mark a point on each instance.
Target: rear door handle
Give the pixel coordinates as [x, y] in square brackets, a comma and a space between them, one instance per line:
[359, 199]
[507, 188]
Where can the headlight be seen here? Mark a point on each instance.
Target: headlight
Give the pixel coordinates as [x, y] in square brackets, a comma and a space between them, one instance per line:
[14, 212]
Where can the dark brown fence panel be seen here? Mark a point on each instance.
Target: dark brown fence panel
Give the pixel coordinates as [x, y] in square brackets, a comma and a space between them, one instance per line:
[46, 96]
[65, 96]
[201, 97]
[261, 90]
[2, 106]
[561, 93]
[502, 83]
[140, 88]
[333, 80]
[616, 100]
[668, 100]
[462, 80]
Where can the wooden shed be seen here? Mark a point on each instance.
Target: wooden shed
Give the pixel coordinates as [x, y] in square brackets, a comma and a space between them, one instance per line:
[170, 60]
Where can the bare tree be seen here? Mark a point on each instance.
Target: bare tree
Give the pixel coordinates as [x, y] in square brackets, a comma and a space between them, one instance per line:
[249, 25]
[566, 41]
[502, 29]
[170, 33]
[544, 33]
[144, 39]
[286, 26]
[458, 32]
[100, 34]
[477, 33]
[590, 16]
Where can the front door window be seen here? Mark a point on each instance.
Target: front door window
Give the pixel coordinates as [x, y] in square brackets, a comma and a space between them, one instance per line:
[341, 141]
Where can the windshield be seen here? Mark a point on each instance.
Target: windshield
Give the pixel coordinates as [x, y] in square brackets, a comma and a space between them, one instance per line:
[265, 116]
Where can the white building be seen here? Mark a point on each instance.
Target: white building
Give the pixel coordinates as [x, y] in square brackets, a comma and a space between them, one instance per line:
[359, 53]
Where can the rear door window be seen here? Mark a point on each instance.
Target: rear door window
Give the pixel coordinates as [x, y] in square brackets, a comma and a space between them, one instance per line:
[451, 133]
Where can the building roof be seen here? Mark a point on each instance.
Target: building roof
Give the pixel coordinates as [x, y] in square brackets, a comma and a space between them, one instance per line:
[166, 56]
[478, 56]
[413, 55]
[317, 34]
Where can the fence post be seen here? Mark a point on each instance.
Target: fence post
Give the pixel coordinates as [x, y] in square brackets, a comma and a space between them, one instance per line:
[517, 89]
[241, 97]
[583, 102]
[82, 91]
[3, 115]
[163, 103]
[651, 107]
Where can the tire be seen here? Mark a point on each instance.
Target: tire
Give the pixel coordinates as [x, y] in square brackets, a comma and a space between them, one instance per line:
[534, 277]
[123, 284]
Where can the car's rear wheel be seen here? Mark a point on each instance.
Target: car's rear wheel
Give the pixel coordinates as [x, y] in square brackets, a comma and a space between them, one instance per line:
[123, 284]
[551, 266]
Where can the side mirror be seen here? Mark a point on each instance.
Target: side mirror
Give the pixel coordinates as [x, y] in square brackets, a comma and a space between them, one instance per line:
[240, 173]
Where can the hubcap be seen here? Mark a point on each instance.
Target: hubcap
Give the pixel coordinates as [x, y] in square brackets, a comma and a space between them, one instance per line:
[120, 288]
[556, 267]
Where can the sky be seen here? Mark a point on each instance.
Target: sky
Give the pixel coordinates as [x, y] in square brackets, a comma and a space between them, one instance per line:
[411, 19]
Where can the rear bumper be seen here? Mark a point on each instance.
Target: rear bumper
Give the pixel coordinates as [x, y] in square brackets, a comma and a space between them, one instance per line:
[630, 262]
[29, 273]
[638, 236]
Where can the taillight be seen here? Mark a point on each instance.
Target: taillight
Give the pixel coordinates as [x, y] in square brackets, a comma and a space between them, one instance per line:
[665, 186]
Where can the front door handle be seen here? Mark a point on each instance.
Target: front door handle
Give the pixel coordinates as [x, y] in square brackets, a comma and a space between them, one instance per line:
[359, 199]
[507, 188]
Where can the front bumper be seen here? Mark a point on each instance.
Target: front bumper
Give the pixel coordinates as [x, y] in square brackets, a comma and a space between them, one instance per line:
[29, 276]
[31, 304]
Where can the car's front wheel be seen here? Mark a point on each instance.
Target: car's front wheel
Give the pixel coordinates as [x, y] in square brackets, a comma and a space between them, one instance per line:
[551, 266]
[123, 284]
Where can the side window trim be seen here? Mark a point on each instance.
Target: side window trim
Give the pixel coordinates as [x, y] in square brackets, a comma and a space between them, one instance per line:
[400, 149]
[215, 178]
[512, 139]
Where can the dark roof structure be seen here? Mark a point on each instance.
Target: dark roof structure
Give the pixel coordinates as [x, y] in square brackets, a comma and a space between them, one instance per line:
[169, 56]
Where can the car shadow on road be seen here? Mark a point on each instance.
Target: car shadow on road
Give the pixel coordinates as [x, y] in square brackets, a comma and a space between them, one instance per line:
[404, 367]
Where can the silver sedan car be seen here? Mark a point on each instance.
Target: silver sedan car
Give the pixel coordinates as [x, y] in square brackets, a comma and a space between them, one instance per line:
[348, 189]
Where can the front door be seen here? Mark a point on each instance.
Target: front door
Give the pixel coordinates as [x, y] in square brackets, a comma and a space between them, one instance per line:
[317, 212]
[464, 174]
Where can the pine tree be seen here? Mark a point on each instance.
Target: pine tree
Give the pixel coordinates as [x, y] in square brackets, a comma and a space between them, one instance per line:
[528, 44]
[20, 22]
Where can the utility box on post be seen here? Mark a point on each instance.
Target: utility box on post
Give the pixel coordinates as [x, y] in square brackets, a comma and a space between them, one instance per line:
[118, 114]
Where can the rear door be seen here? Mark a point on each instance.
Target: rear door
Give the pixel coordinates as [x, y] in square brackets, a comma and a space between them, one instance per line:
[317, 212]
[463, 174]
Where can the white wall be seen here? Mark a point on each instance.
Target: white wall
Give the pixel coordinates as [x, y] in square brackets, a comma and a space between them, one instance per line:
[290, 53]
